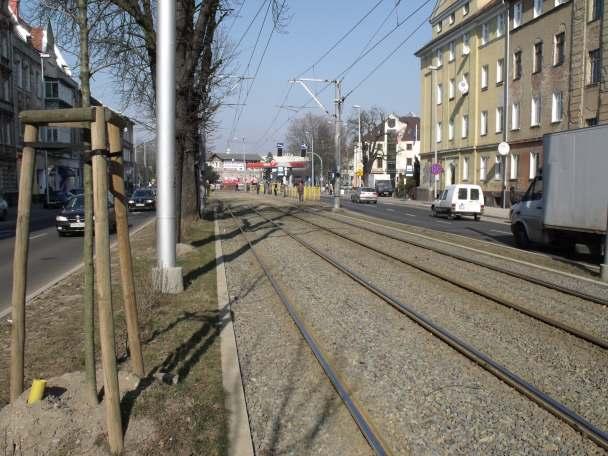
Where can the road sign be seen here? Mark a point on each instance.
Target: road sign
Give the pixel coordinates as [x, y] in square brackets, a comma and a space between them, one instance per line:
[436, 169]
[504, 148]
[280, 149]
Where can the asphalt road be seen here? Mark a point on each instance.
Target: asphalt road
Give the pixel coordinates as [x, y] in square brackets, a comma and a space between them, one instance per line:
[493, 230]
[50, 256]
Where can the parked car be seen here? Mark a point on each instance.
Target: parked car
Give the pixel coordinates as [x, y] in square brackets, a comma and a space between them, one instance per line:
[364, 195]
[71, 218]
[458, 200]
[142, 199]
[3, 207]
[384, 188]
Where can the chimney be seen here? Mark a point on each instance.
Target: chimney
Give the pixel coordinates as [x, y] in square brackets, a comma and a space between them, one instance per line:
[14, 6]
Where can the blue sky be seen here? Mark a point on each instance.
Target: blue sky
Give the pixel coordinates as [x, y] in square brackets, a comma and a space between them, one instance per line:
[314, 26]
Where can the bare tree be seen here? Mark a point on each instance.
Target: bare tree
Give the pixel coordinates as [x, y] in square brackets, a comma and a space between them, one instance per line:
[372, 135]
[317, 127]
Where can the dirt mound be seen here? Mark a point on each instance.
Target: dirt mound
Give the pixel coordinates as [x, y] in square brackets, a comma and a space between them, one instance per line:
[64, 423]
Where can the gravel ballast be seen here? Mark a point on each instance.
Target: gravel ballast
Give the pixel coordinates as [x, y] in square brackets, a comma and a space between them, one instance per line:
[293, 409]
[425, 397]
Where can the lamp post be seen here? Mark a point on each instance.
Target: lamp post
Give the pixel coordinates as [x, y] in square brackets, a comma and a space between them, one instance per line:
[312, 157]
[436, 177]
[46, 152]
[360, 145]
[243, 152]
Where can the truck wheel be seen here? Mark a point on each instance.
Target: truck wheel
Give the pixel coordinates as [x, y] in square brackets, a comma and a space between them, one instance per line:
[434, 211]
[477, 217]
[521, 237]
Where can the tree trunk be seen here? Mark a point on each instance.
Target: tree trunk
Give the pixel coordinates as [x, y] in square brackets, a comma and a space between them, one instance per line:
[88, 291]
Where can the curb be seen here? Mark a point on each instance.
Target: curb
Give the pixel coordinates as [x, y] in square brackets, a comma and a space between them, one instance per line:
[239, 433]
[68, 273]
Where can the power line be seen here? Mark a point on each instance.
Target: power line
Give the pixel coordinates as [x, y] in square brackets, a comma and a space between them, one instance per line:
[380, 26]
[385, 59]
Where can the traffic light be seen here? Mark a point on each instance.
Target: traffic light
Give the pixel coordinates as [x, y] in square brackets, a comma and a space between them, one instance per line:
[303, 150]
[279, 149]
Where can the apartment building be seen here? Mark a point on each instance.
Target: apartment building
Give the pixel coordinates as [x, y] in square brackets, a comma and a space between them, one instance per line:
[397, 149]
[463, 76]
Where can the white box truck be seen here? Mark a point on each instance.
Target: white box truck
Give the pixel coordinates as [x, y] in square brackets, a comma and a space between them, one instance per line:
[567, 203]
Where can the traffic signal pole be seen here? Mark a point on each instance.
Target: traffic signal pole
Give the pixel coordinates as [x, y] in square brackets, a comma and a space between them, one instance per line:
[338, 103]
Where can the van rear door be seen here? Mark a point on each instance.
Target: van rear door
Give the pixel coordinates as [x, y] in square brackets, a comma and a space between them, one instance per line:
[475, 200]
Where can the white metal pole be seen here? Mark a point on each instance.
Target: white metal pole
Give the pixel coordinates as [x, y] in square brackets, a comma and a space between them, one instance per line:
[338, 102]
[169, 278]
[433, 140]
[312, 145]
[505, 110]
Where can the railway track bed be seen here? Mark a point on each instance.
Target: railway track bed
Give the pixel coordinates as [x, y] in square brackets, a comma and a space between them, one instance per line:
[423, 396]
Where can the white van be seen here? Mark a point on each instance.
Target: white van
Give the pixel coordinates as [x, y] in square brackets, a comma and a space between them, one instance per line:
[457, 200]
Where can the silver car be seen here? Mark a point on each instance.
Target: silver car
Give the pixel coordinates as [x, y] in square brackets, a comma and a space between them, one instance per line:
[364, 195]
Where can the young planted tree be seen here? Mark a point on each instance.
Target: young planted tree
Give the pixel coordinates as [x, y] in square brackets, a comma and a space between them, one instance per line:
[372, 136]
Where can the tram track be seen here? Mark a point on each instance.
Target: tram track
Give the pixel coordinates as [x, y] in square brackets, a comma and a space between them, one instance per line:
[583, 335]
[359, 415]
[531, 279]
[510, 378]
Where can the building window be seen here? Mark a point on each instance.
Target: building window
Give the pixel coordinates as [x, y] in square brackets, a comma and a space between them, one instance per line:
[484, 77]
[537, 64]
[499, 70]
[465, 44]
[451, 130]
[52, 89]
[498, 168]
[452, 18]
[438, 58]
[594, 67]
[513, 168]
[538, 7]
[535, 112]
[517, 10]
[465, 168]
[558, 48]
[500, 25]
[465, 9]
[408, 146]
[484, 34]
[483, 123]
[438, 27]
[515, 116]
[517, 68]
[451, 52]
[379, 163]
[439, 93]
[18, 72]
[597, 9]
[451, 89]
[499, 119]
[557, 104]
[483, 163]
[534, 163]
[438, 132]
[465, 126]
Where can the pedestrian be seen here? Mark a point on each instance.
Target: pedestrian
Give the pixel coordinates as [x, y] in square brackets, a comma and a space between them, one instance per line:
[300, 191]
[275, 188]
[257, 188]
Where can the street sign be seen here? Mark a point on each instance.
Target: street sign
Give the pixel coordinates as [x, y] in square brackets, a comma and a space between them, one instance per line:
[409, 170]
[280, 149]
[436, 169]
[504, 148]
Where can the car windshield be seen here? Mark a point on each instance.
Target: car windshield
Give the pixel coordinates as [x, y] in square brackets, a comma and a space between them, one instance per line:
[367, 189]
[75, 203]
[143, 194]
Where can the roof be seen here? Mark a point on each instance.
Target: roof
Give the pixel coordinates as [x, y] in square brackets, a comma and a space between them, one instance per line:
[236, 156]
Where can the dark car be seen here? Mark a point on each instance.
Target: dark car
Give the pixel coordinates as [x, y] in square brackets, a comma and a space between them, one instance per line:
[142, 199]
[3, 207]
[71, 218]
[384, 188]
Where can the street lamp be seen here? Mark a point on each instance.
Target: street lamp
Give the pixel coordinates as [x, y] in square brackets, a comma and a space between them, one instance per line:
[360, 151]
[312, 156]
[46, 152]
[433, 68]
[243, 152]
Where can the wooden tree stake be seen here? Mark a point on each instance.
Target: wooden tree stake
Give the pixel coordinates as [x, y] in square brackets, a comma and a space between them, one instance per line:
[20, 262]
[124, 249]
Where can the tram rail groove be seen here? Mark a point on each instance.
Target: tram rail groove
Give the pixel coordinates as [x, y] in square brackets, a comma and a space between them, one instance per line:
[602, 343]
[535, 280]
[545, 401]
[360, 417]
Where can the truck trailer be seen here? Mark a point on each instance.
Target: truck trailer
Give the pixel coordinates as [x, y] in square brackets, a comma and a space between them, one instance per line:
[567, 203]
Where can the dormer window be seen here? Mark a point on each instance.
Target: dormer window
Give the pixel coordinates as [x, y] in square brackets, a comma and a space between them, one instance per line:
[438, 27]
[390, 122]
[465, 9]
[452, 18]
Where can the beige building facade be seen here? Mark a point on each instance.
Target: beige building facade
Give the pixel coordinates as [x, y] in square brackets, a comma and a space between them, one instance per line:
[531, 67]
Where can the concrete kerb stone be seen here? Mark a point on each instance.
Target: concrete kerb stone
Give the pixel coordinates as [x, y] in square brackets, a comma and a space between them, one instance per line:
[56, 280]
[239, 432]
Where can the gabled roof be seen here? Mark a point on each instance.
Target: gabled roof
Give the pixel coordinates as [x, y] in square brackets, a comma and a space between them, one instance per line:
[236, 156]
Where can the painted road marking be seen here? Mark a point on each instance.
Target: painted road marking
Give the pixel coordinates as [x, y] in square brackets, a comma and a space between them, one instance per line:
[411, 215]
[390, 210]
[501, 232]
[445, 223]
[38, 236]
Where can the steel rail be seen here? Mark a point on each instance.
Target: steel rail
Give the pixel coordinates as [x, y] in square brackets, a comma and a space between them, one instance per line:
[559, 410]
[602, 343]
[363, 422]
[535, 280]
